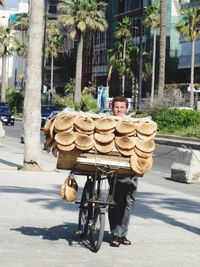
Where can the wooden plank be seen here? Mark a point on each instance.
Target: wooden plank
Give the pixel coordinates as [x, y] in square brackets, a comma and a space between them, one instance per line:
[87, 163]
[103, 162]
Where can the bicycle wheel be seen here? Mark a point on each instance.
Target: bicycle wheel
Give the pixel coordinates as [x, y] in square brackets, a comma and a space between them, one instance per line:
[85, 210]
[97, 229]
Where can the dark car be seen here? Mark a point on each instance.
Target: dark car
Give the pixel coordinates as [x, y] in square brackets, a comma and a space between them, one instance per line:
[46, 111]
[2, 104]
[6, 115]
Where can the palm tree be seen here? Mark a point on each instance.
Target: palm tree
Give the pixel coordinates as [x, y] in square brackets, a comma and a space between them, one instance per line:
[5, 50]
[120, 61]
[152, 21]
[21, 46]
[162, 54]
[78, 17]
[189, 27]
[32, 101]
[22, 22]
[123, 34]
[1, 2]
[54, 44]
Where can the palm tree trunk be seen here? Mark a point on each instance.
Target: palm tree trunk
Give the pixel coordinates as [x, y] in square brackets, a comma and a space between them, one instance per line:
[78, 84]
[192, 76]
[52, 63]
[123, 76]
[32, 101]
[162, 56]
[153, 67]
[4, 79]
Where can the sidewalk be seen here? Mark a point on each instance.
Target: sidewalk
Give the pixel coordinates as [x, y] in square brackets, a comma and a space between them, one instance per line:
[36, 226]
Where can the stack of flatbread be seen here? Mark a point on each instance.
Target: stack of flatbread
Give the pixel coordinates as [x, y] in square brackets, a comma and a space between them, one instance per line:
[130, 138]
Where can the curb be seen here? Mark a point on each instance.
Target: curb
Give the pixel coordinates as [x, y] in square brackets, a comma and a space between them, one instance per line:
[193, 143]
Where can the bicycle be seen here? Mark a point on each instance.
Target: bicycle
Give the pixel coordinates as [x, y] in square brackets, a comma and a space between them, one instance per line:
[92, 207]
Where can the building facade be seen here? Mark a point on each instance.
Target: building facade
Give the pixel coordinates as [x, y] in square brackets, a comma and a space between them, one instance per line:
[184, 64]
[15, 64]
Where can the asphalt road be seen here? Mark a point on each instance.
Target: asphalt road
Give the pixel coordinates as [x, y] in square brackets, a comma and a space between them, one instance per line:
[17, 130]
[164, 156]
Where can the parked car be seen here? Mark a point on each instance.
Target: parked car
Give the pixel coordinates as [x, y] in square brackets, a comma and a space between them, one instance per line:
[46, 111]
[6, 115]
[2, 103]
[182, 108]
[105, 111]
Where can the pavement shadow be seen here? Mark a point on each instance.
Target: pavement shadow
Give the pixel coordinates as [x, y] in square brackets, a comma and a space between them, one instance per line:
[144, 210]
[64, 231]
[9, 163]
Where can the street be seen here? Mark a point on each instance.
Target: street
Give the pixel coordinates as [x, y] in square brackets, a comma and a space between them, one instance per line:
[17, 130]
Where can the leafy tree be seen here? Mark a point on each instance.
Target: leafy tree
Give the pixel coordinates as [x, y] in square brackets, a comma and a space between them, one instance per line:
[32, 101]
[78, 17]
[189, 27]
[21, 45]
[6, 50]
[123, 35]
[22, 22]
[152, 21]
[53, 45]
[70, 86]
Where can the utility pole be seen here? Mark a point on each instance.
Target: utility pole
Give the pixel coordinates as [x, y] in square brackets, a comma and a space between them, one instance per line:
[139, 104]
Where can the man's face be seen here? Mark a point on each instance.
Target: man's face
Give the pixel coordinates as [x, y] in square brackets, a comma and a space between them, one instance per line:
[119, 109]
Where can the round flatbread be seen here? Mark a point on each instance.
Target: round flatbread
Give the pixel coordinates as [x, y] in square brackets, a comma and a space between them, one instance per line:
[104, 148]
[48, 124]
[140, 165]
[65, 139]
[145, 146]
[104, 138]
[147, 137]
[66, 148]
[125, 127]
[64, 122]
[105, 132]
[142, 154]
[146, 127]
[83, 140]
[125, 142]
[105, 124]
[84, 124]
[125, 152]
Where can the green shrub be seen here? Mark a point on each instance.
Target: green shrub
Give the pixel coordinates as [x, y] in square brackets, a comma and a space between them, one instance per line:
[15, 100]
[173, 120]
[88, 103]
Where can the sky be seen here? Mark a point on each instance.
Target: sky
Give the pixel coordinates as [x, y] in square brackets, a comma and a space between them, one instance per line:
[12, 3]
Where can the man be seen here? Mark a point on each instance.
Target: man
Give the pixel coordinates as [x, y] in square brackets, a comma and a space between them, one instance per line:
[125, 190]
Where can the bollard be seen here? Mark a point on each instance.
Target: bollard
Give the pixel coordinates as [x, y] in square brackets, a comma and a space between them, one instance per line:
[186, 168]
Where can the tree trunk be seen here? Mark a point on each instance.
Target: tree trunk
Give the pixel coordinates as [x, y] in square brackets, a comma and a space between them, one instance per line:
[162, 56]
[78, 84]
[153, 67]
[123, 76]
[192, 76]
[32, 101]
[52, 63]
[4, 79]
